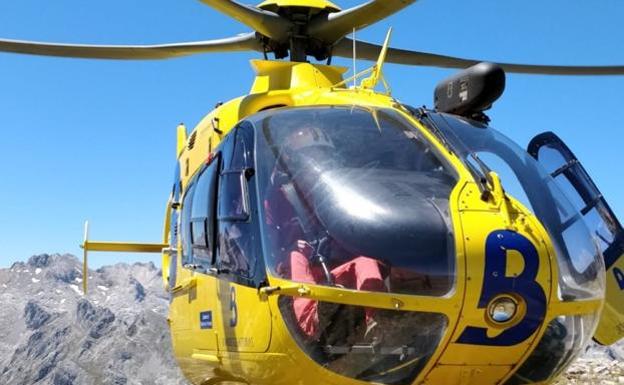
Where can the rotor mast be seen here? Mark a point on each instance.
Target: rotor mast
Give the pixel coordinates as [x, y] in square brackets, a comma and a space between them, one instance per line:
[300, 44]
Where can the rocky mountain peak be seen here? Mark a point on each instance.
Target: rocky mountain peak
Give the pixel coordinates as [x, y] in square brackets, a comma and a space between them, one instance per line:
[50, 333]
[41, 260]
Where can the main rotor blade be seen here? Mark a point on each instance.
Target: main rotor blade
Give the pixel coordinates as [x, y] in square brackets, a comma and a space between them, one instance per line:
[369, 51]
[332, 27]
[243, 42]
[267, 23]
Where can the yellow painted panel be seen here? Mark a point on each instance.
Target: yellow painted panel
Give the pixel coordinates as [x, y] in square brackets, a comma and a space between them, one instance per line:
[263, 368]
[181, 137]
[177, 312]
[204, 300]
[477, 225]
[466, 375]
[206, 355]
[558, 307]
[193, 295]
[273, 76]
[245, 320]
[198, 371]
[611, 326]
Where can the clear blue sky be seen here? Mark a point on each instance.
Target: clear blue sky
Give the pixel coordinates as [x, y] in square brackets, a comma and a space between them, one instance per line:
[95, 140]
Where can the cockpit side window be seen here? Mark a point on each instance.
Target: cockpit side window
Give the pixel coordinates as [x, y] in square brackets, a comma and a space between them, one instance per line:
[185, 221]
[574, 180]
[203, 214]
[197, 219]
[238, 237]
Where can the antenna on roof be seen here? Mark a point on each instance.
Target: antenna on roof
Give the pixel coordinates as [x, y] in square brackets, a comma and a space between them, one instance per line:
[377, 70]
[354, 60]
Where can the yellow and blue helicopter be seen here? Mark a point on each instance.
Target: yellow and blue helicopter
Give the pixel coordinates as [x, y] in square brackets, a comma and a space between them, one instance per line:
[318, 233]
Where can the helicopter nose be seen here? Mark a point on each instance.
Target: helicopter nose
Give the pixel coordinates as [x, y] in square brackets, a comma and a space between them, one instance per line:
[507, 288]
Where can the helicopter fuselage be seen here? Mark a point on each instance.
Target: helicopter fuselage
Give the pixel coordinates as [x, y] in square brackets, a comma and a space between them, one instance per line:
[323, 234]
[487, 308]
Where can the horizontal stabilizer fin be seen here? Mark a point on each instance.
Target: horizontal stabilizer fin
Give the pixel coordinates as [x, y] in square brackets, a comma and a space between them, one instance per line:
[124, 247]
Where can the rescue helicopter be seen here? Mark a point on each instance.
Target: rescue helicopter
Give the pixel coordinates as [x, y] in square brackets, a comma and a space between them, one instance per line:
[320, 231]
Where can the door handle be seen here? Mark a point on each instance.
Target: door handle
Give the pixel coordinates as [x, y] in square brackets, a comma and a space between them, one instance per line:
[186, 284]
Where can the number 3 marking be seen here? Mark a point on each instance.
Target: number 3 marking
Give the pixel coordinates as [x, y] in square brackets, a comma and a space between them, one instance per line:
[496, 283]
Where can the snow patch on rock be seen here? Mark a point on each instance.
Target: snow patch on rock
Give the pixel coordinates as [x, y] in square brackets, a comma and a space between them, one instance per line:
[76, 289]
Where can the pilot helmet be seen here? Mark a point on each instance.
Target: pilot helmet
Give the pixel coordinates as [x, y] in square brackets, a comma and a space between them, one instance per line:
[305, 136]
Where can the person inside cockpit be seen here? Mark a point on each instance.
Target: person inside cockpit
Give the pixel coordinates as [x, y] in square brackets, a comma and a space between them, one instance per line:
[310, 255]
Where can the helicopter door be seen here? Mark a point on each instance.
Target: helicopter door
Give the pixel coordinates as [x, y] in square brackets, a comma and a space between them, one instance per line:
[195, 299]
[570, 175]
[246, 321]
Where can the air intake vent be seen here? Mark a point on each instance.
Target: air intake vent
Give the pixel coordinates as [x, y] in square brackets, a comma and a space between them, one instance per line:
[191, 141]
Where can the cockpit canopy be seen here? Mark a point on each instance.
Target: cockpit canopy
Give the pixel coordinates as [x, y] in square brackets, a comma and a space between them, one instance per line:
[341, 183]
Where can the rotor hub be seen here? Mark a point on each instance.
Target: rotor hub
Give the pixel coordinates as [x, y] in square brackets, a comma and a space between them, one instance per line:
[299, 44]
[313, 6]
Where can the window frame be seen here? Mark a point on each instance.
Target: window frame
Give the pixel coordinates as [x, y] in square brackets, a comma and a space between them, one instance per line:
[208, 221]
[242, 165]
[186, 236]
[244, 191]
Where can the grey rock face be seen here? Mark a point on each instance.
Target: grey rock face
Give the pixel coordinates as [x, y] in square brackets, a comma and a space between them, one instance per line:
[41, 260]
[35, 316]
[51, 334]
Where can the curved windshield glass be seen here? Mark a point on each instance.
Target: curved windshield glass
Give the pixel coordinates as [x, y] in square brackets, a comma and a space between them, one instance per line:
[354, 198]
[580, 262]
